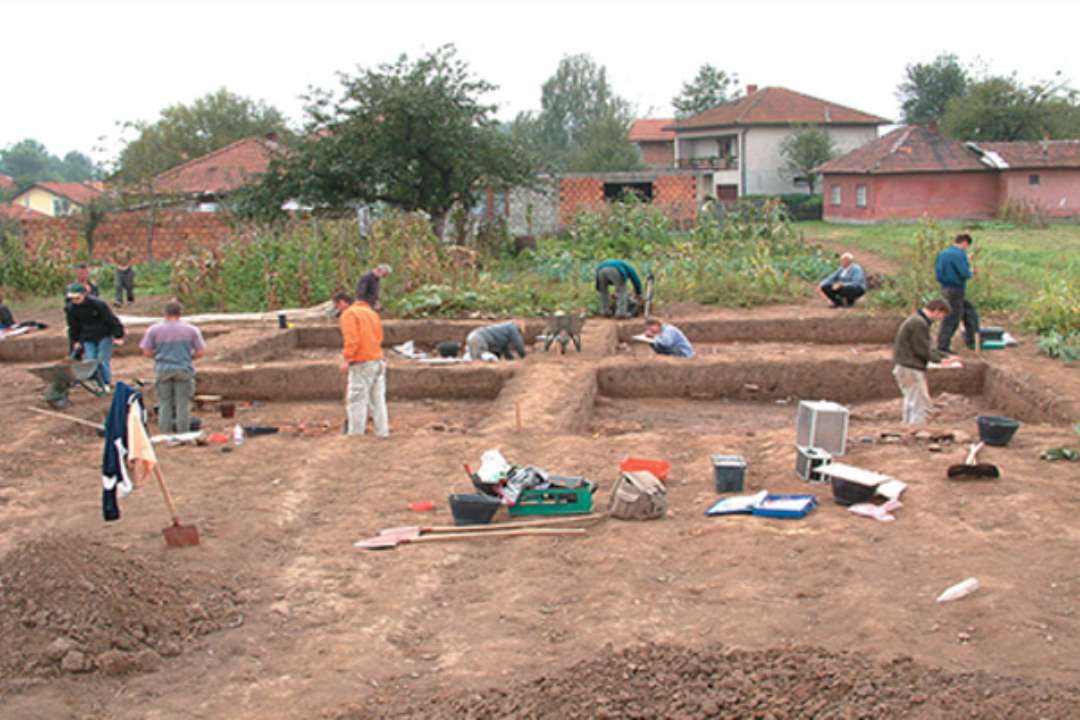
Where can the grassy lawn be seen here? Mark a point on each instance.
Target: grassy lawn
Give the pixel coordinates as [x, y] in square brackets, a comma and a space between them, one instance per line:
[1021, 257]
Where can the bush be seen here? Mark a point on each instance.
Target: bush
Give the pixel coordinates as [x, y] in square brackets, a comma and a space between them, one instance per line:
[1055, 308]
[1062, 347]
[1023, 213]
[801, 207]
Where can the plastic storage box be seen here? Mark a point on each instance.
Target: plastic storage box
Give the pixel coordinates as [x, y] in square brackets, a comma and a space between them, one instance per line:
[729, 473]
[822, 424]
[554, 501]
[808, 462]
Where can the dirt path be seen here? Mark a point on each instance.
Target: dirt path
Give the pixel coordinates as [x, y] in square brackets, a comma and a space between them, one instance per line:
[871, 263]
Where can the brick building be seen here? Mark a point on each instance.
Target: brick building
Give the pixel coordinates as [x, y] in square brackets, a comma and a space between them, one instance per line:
[914, 171]
[656, 145]
[206, 179]
[677, 192]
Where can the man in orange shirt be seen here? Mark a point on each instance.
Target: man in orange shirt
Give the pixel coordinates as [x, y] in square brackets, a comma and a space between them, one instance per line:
[362, 360]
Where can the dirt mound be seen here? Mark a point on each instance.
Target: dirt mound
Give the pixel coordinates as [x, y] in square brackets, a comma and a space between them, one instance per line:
[67, 605]
[716, 682]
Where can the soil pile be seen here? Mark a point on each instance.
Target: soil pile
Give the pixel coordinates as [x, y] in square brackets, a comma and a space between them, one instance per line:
[68, 605]
[674, 682]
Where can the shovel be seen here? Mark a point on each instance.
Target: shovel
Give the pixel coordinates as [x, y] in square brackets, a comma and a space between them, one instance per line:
[409, 532]
[176, 535]
[969, 470]
[386, 542]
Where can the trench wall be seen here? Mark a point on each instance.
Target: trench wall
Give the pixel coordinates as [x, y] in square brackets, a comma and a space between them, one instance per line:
[838, 380]
[282, 382]
[395, 332]
[839, 329]
[52, 346]
[1021, 396]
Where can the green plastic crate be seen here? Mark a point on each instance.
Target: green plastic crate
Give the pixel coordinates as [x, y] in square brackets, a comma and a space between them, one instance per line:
[554, 501]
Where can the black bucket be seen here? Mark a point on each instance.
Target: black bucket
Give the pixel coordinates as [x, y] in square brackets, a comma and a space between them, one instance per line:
[996, 430]
[473, 509]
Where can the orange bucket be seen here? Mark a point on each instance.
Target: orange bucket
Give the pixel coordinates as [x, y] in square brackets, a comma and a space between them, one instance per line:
[659, 468]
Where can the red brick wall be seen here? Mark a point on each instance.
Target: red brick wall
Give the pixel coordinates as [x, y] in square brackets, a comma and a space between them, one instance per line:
[677, 194]
[578, 194]
[1058, 191]
[957, 195]
[174, 233]
[658, 154]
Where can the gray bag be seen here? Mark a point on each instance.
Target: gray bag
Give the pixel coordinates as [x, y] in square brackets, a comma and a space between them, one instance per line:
[638, 496]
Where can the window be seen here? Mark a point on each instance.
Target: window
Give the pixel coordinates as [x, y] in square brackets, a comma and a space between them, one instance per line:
[61, 207]
[836, 195]
[1033, 179]
[860, 196]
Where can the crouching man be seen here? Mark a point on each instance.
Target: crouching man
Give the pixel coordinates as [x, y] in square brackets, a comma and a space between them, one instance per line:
[501, 340]
[362, 361]
[667, 339]
[911, 354]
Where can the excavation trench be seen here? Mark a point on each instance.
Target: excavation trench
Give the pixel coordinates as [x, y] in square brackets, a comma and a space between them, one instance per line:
[841, 328]
[285, 382]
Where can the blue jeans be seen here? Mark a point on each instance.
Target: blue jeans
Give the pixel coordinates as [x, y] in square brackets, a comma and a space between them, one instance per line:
[100, 350]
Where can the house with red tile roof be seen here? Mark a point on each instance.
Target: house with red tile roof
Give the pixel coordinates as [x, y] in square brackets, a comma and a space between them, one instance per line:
[57, 199]
[11, 211]
[737, 144]
[656, 145]
[915, 171]
[6, 183]
[210, 177]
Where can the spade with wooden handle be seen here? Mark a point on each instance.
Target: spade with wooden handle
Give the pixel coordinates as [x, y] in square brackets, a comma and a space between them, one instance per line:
[415, 531]
[387, 542]
[176, 535]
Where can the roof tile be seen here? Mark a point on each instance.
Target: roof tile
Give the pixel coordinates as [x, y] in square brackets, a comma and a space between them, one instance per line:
[778, 106]
[909, 149]
[220, 171]
[651, 130]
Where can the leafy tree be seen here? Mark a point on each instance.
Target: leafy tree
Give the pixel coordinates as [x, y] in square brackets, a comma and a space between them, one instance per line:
[582, 123]
[805, 149]
[26, 162]
[414, 134]
[709, 88]
[77, 167]
[1002, 108]
[928, 87]
[186, 131]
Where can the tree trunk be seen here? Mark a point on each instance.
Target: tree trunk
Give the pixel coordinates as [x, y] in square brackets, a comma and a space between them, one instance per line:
[438, 223]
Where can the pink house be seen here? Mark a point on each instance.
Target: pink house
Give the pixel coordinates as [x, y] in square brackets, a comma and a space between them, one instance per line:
[915, 171]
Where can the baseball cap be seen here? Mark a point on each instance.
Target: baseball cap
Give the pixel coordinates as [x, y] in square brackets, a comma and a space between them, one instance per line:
[75, 290]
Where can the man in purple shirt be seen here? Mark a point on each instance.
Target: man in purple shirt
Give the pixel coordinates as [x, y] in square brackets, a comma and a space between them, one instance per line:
[174, 344]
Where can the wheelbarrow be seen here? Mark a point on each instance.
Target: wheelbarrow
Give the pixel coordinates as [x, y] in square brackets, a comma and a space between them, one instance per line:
[63, 376]
[563, 329]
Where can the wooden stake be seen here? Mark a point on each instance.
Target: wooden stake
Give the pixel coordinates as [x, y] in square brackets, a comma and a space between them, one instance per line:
[72, 418]
[517, 415]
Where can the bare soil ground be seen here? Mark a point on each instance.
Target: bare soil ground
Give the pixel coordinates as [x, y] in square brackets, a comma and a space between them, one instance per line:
[275, 614]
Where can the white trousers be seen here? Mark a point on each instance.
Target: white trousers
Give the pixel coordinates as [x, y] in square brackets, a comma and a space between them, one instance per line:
[367, 390]
[916, 392]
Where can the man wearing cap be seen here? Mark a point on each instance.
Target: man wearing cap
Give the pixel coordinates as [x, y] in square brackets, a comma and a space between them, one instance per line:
[92, 328]
[844, 285]
[367, 290]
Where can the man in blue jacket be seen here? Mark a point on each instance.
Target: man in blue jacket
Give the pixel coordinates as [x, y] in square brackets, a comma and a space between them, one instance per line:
[953, 271]
[615, 273]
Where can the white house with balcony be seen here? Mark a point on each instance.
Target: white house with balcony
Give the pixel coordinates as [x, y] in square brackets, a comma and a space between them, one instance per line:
[737, 145]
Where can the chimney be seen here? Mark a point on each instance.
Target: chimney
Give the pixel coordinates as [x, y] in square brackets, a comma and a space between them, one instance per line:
[751, 89]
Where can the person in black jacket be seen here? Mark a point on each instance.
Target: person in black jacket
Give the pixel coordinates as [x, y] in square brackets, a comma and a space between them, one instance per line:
[92, 328]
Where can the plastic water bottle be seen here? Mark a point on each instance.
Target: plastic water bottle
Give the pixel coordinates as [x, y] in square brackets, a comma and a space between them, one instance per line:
[959, 590]
[238, 435]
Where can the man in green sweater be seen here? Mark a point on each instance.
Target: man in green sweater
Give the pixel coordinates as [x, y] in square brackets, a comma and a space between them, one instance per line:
[912, 352]
[615, 273]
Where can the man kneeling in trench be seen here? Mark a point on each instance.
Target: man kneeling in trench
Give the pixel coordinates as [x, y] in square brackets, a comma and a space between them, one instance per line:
[362, 360]
[667, 339]
[501, 340]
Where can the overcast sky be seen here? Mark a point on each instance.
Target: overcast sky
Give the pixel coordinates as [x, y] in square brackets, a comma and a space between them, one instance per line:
[75, 68]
